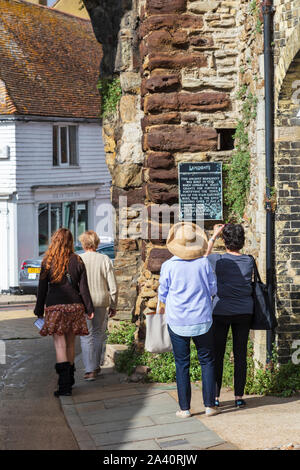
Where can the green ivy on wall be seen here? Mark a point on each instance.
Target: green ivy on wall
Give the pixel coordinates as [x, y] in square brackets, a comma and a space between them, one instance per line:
[111, 92]
[254, 9]
[237, 172]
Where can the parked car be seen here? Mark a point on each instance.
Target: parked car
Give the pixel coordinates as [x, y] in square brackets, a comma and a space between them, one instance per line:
[30, 269]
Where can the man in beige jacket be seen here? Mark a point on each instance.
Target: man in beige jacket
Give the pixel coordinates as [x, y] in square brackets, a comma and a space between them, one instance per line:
[104, 294]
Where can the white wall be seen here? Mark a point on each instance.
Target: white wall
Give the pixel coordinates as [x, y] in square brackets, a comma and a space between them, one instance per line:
[4, 246]
[8, 165]
[8, 245]
[30, 164]
[27, 232]
[34, 161]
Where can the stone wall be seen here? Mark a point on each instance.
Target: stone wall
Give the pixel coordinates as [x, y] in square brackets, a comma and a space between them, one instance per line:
[287, 186]
[181, 63]
[287, 158]
[189, 66]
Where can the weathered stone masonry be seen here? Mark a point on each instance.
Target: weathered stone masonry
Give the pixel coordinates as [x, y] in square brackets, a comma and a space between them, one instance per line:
[287, 173]
[181, 63]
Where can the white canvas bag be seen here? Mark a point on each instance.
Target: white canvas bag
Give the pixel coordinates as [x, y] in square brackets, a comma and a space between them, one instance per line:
[157, 335]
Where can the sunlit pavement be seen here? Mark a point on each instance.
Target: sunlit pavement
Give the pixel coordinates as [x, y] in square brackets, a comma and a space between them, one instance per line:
[30, 416]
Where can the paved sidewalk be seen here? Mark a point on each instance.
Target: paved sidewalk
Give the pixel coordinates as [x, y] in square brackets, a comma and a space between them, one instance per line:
[9, 299]
[112, 414]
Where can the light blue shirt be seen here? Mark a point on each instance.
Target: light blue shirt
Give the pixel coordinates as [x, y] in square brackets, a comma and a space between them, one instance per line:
[194, 330]
[186, 287]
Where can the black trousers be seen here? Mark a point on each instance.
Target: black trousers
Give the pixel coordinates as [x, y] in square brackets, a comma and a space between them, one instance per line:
[240, 325]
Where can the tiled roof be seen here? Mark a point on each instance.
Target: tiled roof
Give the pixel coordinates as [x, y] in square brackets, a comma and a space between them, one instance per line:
[49, 62]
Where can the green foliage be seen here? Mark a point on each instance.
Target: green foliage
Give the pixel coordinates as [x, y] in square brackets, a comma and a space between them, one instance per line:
[281, 380]
[111, 92]
[163, 365]
[254, 11]
[237, 172]
[123, 333]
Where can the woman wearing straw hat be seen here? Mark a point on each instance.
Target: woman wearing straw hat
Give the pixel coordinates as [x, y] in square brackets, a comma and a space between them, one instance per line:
[186, 286]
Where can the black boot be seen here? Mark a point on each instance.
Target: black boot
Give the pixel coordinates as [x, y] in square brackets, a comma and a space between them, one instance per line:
[63, 370]
[72, 370]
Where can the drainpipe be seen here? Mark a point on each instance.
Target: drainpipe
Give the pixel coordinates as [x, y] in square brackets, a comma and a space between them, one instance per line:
[268, 11]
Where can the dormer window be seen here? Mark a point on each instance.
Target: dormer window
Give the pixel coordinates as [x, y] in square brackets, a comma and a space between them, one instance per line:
[65, 146]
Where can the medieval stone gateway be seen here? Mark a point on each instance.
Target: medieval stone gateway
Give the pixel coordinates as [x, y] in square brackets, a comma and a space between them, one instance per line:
[192, 77]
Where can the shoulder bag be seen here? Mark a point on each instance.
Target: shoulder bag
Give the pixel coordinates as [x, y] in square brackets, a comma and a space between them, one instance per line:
[157, 335]
[263, 313]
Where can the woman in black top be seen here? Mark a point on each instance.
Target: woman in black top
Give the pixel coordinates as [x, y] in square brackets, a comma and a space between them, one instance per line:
[232, 305]
[63, 288]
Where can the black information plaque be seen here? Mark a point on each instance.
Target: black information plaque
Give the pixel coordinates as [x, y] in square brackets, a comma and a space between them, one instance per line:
[200, 191]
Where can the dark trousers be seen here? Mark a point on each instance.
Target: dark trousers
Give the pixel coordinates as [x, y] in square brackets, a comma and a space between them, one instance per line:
[240, 325]
[181, 349]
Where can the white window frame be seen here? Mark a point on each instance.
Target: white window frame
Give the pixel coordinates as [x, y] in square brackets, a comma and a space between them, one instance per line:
[58, 146]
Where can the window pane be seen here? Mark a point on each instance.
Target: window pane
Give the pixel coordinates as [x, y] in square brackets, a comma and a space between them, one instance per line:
[43, 228]
[73, 145]
[82, 217]
[63, 145]
[54, 141]
[56, 217]
[69, 216]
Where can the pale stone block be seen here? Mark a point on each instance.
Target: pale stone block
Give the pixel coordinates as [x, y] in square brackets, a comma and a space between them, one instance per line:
[131, 147]
[193, 79]
[225, 53]
[203, 6]
[259, 343]
[190, 157]
[127, 175]
[260, 120]
[128, 108]
[287, 134]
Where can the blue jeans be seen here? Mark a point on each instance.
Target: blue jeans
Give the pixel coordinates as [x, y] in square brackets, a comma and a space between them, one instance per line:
[205, 349]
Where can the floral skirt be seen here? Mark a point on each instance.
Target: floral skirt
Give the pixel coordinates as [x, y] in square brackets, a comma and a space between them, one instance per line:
[63, 319]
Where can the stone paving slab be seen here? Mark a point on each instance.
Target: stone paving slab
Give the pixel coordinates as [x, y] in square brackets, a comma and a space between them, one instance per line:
[192, 441]
[151, 432]
[126, 412]
[141, 445]
[107, 415]
[119, 425]
[18, 324]
[7, 299]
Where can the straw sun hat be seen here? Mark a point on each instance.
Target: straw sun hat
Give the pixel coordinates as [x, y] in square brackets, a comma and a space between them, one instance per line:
[187, 241]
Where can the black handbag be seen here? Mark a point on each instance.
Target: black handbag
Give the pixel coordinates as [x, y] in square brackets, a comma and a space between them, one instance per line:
[263, 313]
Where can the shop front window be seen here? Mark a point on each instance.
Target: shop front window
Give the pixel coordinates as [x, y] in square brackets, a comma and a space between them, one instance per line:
[69, 209]
[82, 218]
[43, 228]
[52, 216]
[56, 217]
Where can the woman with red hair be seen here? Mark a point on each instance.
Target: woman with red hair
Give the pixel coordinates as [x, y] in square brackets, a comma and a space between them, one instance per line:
[63, 289]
